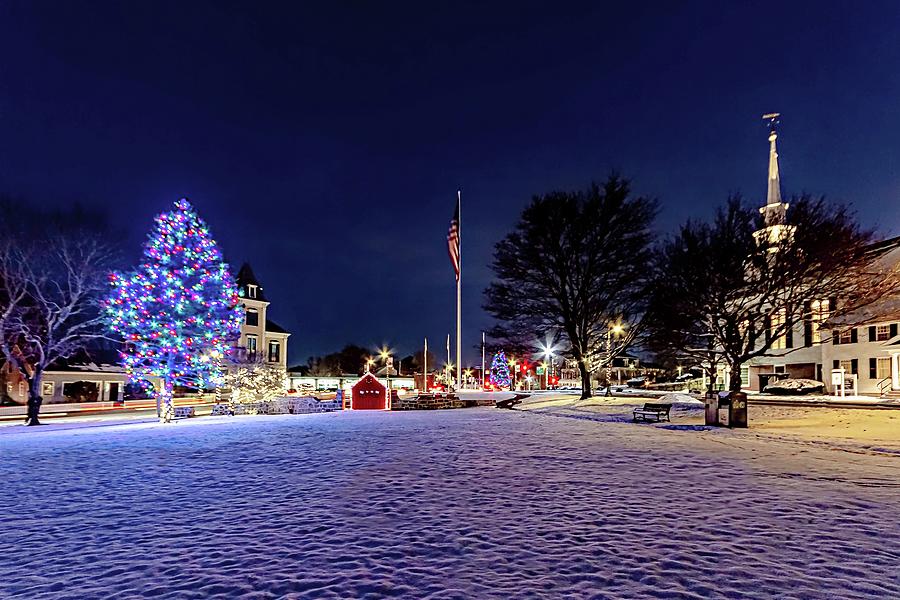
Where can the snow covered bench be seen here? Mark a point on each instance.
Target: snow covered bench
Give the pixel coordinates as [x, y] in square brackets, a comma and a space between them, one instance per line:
[653, 412]
[508, 402]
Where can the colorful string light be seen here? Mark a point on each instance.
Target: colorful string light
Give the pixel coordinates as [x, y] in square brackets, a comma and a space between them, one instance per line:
[500, 370]
[178, 312]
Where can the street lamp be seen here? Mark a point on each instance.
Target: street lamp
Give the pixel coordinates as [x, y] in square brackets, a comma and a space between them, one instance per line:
[613, 329]
[385, 355]
[512, 369]
[547, 351]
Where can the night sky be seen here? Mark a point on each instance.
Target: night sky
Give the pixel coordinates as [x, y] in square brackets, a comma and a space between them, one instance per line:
[325, 145]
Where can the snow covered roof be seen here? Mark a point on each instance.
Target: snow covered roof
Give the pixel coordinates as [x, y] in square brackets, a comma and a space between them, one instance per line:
[887, 253]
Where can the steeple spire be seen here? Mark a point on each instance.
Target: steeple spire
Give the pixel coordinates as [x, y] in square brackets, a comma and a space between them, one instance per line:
[776, 230]
[774, 209]
[774, 194]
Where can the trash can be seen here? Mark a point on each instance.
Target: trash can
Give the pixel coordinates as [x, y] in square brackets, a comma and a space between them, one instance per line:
[723, 416]
[732, 409]
[712, 408]
[737, 413]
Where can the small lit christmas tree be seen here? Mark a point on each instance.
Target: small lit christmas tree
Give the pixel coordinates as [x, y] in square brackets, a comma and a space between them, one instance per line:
[178, 312]
[500, 370]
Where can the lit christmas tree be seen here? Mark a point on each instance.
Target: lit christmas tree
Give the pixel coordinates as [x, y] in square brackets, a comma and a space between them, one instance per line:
[178, 312]
[500, 370]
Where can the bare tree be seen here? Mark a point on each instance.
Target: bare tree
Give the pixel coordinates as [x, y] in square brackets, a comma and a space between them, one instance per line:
[726, 291]
[575, 265]
[51, 289]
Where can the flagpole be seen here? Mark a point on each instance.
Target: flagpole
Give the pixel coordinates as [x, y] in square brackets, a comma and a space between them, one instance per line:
[482, 362]
[459, 298]
[425, 367]
[449, 368]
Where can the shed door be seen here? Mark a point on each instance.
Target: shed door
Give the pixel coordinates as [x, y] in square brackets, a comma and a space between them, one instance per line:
[368, 400]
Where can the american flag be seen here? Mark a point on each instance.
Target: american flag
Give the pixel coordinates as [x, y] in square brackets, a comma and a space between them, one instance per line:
[453, 240]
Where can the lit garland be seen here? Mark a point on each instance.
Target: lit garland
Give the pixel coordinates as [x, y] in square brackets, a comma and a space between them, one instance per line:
[500, 370]
[178, 312]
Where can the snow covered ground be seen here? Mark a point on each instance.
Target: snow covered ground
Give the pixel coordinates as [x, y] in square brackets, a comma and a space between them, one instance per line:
[561, 499]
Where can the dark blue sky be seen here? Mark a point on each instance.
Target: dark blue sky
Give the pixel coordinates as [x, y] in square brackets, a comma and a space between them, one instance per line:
[325, 144]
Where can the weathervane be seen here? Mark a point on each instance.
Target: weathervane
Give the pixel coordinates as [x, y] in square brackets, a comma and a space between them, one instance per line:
[773, 120]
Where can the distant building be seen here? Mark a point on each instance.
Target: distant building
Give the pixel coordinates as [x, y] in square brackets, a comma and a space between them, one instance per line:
[259, 333]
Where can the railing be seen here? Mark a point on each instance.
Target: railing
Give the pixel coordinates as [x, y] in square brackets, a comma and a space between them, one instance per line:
[884, 386]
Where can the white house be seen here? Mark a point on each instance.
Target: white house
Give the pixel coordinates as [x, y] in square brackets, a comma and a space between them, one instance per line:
[259, 333]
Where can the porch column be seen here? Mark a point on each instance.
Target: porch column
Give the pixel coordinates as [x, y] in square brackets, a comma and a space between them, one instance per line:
[895, 371]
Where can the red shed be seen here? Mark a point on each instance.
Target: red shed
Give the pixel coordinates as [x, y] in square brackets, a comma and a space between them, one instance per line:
[369, 394]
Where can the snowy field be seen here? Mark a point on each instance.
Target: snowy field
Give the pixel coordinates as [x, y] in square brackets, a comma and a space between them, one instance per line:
[557, 500]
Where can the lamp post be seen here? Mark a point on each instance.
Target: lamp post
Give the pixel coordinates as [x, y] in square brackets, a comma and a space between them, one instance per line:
[512, 369]
[385, 355]
[547, 351]
[613, 329]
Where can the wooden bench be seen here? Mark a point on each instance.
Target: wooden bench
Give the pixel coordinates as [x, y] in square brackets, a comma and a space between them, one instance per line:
[654, 412]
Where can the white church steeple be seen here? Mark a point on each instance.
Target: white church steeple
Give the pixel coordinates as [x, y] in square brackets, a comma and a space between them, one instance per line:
[774, 209]
[774, 212]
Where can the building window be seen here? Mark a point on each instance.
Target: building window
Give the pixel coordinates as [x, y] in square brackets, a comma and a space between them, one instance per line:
[252, 318]
[883, 368]
[251, 291]
[778, 319]
[47, 389]
[846, 337]
[251, 345]
[847, 365]
[274, 352]
[81, 391]
[779, 369]
[882, 333]
[819, 311]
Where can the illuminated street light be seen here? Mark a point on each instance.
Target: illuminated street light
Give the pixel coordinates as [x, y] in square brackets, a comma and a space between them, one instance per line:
[548, 353]
[385, 354]
[613, 329]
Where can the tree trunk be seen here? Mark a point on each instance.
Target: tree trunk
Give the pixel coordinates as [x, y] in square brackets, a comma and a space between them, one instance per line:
[34, 398]
[711, 374]
[585, 380]
[734, 380]
[164, 401]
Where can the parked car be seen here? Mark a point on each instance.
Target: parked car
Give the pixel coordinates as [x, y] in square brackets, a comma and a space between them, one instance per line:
[795, 386]
[636, 382]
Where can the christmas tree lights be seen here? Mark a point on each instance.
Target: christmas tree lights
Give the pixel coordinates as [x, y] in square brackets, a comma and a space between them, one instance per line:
[500, 370]
[178, 312]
